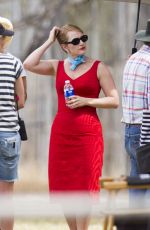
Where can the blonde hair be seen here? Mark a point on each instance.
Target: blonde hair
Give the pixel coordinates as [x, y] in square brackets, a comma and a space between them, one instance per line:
[6, 23]
[62, 35]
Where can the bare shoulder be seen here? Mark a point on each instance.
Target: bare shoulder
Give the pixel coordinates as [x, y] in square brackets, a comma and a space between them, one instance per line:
[103, 70]
[53, 65]
[90, 60]
[54, 62]
[102, 66]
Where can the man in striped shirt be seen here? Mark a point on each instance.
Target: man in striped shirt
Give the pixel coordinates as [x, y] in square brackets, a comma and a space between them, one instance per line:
[11, 84]
[136, 95]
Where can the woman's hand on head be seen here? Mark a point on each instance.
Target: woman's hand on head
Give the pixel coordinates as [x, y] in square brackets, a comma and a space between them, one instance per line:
[53, 33]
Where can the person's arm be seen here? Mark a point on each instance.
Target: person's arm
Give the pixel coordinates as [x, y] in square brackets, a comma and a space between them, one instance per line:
[19, 91]
[34, 63]
[25, 87]
[148, 87]
[23, 74]
[111, 99]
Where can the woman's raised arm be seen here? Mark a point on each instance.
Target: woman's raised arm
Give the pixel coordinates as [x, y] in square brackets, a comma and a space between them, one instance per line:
[34, 62]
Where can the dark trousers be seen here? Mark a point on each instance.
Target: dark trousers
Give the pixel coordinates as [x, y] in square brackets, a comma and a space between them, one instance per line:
[131, 222]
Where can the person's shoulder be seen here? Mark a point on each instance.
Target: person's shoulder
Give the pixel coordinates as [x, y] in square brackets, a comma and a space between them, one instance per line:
[103, 68]
[17, 60]
[13, 57]
[92, 61]
[96, 61]
[8, 55]
[55, 62]
[101, 64]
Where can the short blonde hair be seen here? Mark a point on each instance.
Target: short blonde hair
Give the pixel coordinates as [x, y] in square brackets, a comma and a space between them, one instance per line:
[6, 23]
[62, 35]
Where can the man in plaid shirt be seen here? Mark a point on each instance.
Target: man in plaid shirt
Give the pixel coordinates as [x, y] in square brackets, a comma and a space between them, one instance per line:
[136, 95]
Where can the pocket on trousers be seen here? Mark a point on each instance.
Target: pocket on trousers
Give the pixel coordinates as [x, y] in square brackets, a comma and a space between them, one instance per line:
[9, 146]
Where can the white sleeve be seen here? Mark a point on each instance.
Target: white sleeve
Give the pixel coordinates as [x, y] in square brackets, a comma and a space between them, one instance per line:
[23, 72]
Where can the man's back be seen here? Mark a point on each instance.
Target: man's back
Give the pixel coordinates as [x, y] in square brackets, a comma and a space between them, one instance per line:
[136, 86]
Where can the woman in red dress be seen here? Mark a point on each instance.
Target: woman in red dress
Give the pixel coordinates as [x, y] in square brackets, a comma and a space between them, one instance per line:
[76, 142]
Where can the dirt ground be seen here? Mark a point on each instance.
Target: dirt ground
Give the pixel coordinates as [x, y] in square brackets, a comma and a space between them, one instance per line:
[49, 225]
[33, 180]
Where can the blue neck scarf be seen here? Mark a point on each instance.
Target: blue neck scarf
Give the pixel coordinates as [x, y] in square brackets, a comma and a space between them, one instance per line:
[76, 61]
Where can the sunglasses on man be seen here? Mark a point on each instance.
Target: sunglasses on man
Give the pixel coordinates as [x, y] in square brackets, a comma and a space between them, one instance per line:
[76, 41]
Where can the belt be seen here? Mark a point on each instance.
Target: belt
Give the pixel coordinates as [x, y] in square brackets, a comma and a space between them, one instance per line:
[128, 125]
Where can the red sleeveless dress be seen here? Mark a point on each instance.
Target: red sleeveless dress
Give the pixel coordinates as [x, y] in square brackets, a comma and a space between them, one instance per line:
[76, 142]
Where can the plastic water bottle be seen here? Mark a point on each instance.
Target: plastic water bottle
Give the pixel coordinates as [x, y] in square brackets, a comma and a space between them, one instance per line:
[68, 90]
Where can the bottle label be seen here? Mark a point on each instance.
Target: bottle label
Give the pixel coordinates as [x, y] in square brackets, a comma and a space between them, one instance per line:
[69, 93]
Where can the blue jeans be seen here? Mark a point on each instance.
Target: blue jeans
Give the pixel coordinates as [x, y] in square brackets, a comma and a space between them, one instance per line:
[132, 142]
[10, 145]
